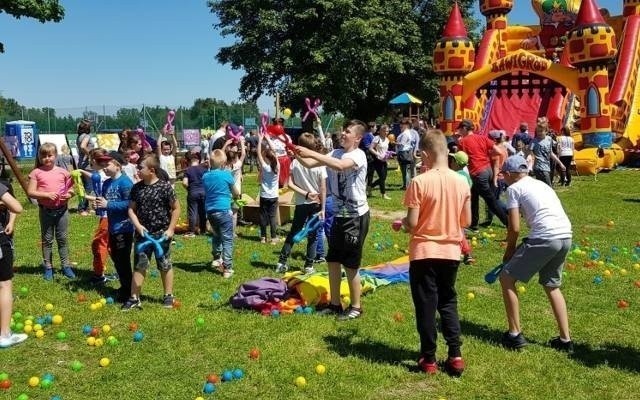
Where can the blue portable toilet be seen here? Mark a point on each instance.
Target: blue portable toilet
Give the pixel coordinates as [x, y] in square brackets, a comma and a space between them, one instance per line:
[21, 138]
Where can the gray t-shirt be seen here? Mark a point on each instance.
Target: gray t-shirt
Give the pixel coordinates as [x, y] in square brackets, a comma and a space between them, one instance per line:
[541, 149]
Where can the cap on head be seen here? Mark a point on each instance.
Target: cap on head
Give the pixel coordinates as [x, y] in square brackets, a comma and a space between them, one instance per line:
[112, 155]
[496, 134]
[515, 164]
[460, 157]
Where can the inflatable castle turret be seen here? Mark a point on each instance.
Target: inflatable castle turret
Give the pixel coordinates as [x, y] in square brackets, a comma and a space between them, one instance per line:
[590, 46]
[631, 7]
[453, 58]
[496, 12]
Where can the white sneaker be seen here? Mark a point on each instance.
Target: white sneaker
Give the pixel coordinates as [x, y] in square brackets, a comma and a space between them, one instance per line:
[281, 268]
[228, 273]
[217, 264]
[386, 197]
[309, 270]
[12, 339]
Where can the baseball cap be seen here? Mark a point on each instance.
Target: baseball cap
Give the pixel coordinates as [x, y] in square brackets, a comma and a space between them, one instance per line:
[515, 164]
[466, 123]
[496, 134]
[460, 157]
[112, 155]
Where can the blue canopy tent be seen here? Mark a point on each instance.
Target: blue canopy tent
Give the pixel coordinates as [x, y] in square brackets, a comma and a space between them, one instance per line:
[410, 100]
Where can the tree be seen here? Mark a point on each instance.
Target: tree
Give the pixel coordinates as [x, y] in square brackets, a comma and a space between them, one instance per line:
[42, 10]
[353, 54]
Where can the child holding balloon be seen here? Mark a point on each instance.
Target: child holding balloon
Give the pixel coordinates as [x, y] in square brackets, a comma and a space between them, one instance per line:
[51, 186]
[9, 209]
[167, 153]
[269, 167]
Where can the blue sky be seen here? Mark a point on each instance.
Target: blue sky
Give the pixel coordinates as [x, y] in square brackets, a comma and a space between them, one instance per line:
[130, 52]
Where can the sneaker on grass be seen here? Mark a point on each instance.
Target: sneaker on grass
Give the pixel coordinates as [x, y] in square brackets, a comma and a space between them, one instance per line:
[68, 272]
[12, 339]
[167, 301]
[131, 304]
[431, 368]
[561, 345]
[227, 273]
[514, 342]
[331, 309]
[454, 366]
[350, 313]
[281, 268]
[47, 273]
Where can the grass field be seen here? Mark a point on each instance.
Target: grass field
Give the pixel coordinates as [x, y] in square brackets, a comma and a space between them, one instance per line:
[369, 358]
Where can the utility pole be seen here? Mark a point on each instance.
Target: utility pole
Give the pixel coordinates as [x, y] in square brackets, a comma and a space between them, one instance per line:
[277, 105]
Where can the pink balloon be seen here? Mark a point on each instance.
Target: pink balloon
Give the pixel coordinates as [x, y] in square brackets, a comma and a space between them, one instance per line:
[311, 109]
[171, 115]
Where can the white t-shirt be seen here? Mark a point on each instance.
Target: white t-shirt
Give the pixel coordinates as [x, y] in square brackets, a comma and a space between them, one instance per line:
[381, 147]
[349, 187]
[307, 179]
[404, 141]
[540, 208]
[130, 170]
[565, 146]
[279, 147]
[268, 182]
[168, 163]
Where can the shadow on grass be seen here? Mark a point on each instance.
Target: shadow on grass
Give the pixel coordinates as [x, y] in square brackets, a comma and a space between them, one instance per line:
[193, 267]
[610, 354]
[631, 200]
[346, 342]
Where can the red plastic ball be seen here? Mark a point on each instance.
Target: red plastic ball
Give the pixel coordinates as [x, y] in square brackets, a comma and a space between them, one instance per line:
[133, 327]
[254, 354]
[5, 384]
[213, 378]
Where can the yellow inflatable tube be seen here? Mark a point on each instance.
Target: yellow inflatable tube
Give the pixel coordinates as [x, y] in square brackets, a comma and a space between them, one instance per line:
[590, 161]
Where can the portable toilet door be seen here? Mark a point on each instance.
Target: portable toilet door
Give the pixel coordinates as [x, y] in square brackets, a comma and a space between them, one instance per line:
[21, 138]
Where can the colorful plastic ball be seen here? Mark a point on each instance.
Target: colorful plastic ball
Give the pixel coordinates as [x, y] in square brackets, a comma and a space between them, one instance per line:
[133, 327]
[56, 319]
[91, 341]
[39, 333]
[106, 328]
[61, 335]
[275, 313]
[48, 376]
[177, 303]
[86, 329]
[199, 398]
[48, 307]
[110, 300]
[19, 326]
[95, 332]
[522, 289]
[99, 342]
[238, 373]
[215, 296]
[34, 381]
[46, 383]
[104, 362]
[5, 384]
[471, 296]
[17, 315]
[227, 376]
[93, 307]
[22, 396]
[24, 291]
[597, 280]
[138, 336]
[81, 298]
[299, 310]
[28, 329]
[308, 310]
[300, 382]
[4, 376]
[76, 366]
[213, 378]
[37, 327]
[208, 388]
[320, 369]
[200, 321]
[254, 354]
[56, 398]
[623, 304]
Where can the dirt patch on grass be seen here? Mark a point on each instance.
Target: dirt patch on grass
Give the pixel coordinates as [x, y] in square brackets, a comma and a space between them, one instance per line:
[388, 215]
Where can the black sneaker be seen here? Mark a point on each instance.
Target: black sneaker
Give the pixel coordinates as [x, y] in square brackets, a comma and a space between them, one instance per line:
[514, 342]
[486, 224]
[98, 280]
[468, 259]
[131, 304]
[167, 301]
[350, 313]
[558, 344]
[320, 260]
[331, 309]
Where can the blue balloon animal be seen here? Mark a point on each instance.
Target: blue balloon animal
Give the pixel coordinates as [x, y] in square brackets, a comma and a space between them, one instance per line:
[311, 225]
[150, 241]
[492, 275]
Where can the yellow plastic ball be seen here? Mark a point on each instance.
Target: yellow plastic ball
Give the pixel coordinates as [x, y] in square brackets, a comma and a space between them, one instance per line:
[521, 289]
[471, 296]
[34, 381]
[636, 266]
[320, 369]
[28, 322]
[300, 382]
[40, 334]
[104, 362]
[103, 301]
[57, 319]
[28, 328]
[607, 272]
[623, 271]
[91, 341]
[37, 327]
[99, 342]
[199, 398]
[93, 307]
[106, 328]
[48, 307]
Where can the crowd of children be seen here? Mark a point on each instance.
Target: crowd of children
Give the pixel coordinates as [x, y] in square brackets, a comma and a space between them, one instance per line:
[133, 194]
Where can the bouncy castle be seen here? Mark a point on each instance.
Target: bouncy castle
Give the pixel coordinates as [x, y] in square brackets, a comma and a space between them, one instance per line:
[579, 67]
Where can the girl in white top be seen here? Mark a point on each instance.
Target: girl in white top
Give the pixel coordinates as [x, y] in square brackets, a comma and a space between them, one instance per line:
[167, 153]
[380, 148]
[269, 169]
[565, 153]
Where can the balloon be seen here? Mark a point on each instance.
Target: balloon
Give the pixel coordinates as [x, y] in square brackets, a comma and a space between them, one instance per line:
[286, 112]
[311, 109]
[392, 138]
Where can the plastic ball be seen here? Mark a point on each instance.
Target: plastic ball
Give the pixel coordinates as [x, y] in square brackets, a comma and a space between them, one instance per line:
[40, 334]
[471, 296]
[22, 396]
[238, 373]
[93, 307]
[177, 303]
[607, 272]
[76, 366]
[37, 327]
[227, 376]
[86, 329]
[81, 298]
[56, 319]
[4, 376]
[24, 291]
[200, 321]
[34, 381]
[5, 384]
[597, 280]
[254, 354]
[110, 300]
[308, 310]
[91, 341]
[208, 388]
[320, 369]
[636, 284]
[95, 332]
[48, 376]
[99, 342]
[215, 296]
[300, 382]
[19, 326]
[133, 327]
[213, 378]
[28, 329]
[138, 336]
[522, 289]
[104, 362]
[623, 271]
[275, 313]
[17, 315]
[106, 328]
[623, 304]
[103, 301]
[56, 398]
[298, 310]
[48, 307]
[112, 341]
[46, 383]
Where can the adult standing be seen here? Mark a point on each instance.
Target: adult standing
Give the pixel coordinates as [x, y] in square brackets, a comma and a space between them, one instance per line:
[365, 145]
[379, 148]
[220, 133]
[484, 175]
[565, 151]
[405, 152]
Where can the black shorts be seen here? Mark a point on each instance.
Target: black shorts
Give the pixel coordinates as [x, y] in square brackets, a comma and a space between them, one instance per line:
[347, 239]
[6, 262]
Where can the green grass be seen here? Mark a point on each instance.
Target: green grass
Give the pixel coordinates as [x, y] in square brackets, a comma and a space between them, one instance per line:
[369, 358]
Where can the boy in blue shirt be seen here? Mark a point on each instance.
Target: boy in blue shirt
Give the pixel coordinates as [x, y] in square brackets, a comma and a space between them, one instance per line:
[218, 191]
[116, 190]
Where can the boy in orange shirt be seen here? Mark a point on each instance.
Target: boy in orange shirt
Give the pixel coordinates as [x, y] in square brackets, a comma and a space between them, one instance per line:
[434, 250]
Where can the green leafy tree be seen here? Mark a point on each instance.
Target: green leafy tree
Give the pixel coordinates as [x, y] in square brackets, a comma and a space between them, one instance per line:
[353, 54]
[42, 10]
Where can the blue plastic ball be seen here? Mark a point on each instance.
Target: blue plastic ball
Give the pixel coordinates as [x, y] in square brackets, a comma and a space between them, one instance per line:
[227, 376]
[299, 310]
[48, 376]
[40, 321]
[597, 280]
[56, 398]
[48, 319]
[308, 310]
[215, 296]
[86, 329]
[208, 388]
[238, 373]
[110, 300]
[138, 336]
[275, 313]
